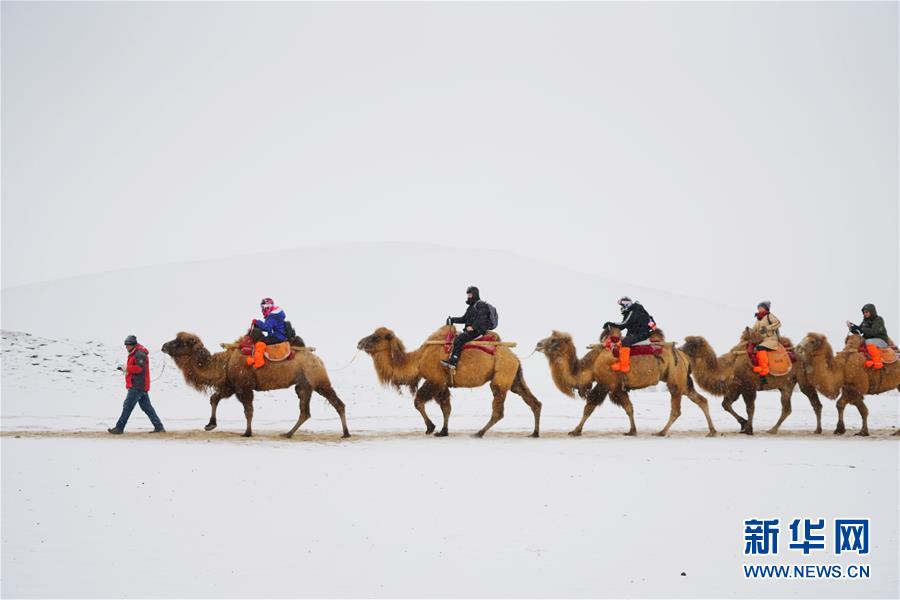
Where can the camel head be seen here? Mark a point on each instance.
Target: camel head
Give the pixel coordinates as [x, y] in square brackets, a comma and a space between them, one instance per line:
[184, 344]
[813, 344]
[188, 345]
[555, 344]
[694, 345]
[379, 341]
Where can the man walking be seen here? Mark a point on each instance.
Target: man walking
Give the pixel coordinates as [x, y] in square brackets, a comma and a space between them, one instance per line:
[137, 382]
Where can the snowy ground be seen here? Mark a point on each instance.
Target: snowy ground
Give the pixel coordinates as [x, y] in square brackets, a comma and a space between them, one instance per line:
[391, 512]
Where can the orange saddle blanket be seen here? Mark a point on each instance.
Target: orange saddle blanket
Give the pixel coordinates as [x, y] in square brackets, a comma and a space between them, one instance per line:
[888, 355]
[278, 352]
[779, 360]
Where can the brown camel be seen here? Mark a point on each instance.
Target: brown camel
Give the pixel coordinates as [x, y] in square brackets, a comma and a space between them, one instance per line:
[397, 367]
[731, 375]
[227, 373]
[845, 374]
[571, 374]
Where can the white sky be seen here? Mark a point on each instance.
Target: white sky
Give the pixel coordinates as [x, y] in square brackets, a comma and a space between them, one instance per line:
[733, 151]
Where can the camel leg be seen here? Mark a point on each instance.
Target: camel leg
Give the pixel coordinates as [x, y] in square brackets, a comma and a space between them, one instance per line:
[750, 403]
[810, 392]
[841, 405]
[214, 404]
[730, 398]
[674, 412]
[786, 392]
[698, 399]
[621, 398]
[325, 390]
[497, 409]
[859, 401]
[520, 388]
[246, 398]
[304, 393]
[423, 395]
[443, 398]
[595, 398]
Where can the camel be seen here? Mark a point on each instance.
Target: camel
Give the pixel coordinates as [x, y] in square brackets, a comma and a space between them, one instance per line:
[731, 375]
[397, 367]
[845, 374]
[227, 373]
[571, 374]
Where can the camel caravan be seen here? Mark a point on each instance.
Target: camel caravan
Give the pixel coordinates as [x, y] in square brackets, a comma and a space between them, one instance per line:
[270, 356]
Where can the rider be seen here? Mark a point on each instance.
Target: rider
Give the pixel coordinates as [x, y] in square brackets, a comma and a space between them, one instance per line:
[875, 334]
[639, 324]
[767, 325]
[477, 320]
[266, 332]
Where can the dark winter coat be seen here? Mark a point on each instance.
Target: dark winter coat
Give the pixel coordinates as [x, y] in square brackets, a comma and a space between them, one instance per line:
[137, 370]
[636, 320]
[273, 326]
[478, 316]
[873, 327]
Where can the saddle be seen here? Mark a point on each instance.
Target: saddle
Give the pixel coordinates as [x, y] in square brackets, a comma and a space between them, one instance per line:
[644, 348]
[780, 360]
[274, 352]
[888, 355]
[279, 352]
[490, 336]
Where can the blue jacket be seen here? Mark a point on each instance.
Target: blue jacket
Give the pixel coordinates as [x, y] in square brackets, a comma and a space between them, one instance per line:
[273, 326]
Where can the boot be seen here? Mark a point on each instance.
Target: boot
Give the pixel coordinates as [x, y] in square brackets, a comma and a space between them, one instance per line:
[762, 357]
[450, 363]
[624, 364]
[258, 359]
[874, 357]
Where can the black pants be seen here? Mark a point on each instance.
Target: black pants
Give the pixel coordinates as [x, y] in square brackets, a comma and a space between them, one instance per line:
[257, 335]
[632, 339]
[463, 338]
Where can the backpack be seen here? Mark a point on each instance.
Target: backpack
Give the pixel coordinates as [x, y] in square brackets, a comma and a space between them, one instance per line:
[289, 332]
[493, 313]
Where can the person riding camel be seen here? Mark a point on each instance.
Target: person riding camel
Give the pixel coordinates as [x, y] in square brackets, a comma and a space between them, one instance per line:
[767, 325]
[266, 332]
[639, 324]
[874, 333]
[476, 320]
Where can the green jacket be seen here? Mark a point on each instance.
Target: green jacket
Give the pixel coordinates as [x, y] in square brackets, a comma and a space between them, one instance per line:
[873, 327]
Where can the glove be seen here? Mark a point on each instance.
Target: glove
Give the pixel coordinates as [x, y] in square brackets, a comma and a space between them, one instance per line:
[855, 329]
[449, 320]
[607, 325]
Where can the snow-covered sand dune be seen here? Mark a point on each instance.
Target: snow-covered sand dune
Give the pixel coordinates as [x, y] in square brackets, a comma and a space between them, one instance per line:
[392, 512]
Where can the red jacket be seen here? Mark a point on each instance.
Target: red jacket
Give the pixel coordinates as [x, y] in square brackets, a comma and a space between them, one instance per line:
[137, 371]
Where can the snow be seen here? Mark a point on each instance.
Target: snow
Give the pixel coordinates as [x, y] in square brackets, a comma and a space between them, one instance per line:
[390, 511]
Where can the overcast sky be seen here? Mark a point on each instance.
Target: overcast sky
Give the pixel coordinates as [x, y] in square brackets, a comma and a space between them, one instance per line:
[733, 151]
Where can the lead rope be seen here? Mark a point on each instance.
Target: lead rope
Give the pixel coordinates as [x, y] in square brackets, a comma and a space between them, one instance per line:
[349, 363]
[161, 371]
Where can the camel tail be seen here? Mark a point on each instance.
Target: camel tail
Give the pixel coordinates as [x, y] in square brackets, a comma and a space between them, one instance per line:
[520, 381]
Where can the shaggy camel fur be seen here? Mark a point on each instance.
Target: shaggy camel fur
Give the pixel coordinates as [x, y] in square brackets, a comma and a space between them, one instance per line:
[731, 375]
[571, 374]
[227, 373]
[397, 367]
[845, 374]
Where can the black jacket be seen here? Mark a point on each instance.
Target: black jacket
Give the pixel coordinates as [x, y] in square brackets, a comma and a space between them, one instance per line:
[478, 316]
[636, 321]
[873, 327]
